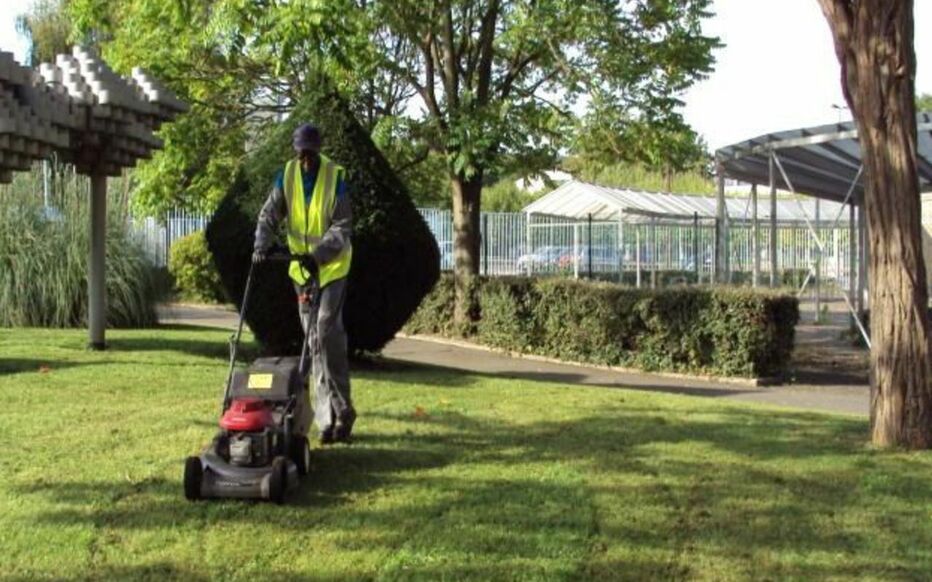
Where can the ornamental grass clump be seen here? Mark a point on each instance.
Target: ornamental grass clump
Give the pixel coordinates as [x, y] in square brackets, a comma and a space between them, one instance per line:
[43, 262]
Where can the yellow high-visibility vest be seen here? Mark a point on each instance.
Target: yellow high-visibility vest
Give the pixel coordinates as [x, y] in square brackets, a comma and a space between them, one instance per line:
[307, 223]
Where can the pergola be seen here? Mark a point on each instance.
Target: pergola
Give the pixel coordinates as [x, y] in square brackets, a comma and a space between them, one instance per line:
[823, 162]
[91, 117]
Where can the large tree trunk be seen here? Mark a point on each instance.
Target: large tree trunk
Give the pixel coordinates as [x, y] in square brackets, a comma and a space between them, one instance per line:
[874, 42]
[466, 235]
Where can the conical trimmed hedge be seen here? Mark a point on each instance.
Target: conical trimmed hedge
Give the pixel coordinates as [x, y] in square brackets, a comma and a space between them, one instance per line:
[395, 257]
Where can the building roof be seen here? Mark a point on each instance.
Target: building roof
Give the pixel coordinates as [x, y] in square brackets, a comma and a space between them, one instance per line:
[821, 161]
[579, 200]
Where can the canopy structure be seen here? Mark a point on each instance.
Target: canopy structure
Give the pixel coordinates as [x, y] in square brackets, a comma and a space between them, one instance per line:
[582, 201]
[822, 161]
[88, 116]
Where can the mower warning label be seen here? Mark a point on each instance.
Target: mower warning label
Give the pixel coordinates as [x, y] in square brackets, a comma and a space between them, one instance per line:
[260, 381]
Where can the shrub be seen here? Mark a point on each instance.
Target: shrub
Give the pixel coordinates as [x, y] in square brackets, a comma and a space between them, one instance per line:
[435, 315]
[736, 332]
[508, 319]
[395, 258]
[192, 267]
[43, 266]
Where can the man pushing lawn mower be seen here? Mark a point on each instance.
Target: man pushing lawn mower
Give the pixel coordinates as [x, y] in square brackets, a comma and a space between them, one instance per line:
[310, 196]
[262, 448]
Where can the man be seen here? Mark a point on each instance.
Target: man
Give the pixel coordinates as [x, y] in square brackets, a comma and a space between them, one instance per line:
[310, 194]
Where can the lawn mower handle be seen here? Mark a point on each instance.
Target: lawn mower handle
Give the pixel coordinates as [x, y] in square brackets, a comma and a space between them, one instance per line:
[234, 341]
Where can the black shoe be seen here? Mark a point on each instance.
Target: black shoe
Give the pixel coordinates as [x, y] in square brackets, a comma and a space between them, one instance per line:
[325, 437]
[344, 428]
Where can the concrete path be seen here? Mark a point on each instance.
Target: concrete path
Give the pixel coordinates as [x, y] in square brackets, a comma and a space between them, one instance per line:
[827, 388]
[203, 315]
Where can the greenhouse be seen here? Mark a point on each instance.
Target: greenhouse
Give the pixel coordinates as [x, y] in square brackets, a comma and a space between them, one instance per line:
[656, 238]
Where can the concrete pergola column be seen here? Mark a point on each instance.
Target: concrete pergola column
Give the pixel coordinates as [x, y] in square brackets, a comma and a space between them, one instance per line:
[92, 118]
[96, 265]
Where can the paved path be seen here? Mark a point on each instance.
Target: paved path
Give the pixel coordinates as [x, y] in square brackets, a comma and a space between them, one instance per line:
[826, 389]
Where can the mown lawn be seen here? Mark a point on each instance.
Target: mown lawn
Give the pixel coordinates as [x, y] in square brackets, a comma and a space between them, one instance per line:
[452, 476]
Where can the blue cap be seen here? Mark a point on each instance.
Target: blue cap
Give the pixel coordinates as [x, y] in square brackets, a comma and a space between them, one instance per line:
[306, 137]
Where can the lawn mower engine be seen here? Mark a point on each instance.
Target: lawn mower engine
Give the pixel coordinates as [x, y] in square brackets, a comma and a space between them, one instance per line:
[251, 432]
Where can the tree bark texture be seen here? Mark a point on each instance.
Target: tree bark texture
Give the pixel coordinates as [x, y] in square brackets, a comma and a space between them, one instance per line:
[874, 44]
[466, 244]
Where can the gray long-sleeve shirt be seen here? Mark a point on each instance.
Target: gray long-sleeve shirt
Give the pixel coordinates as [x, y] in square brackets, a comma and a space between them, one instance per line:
[335, 239]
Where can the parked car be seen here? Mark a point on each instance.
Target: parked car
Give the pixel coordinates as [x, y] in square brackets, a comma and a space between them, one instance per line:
[544, 257]
[602, 257]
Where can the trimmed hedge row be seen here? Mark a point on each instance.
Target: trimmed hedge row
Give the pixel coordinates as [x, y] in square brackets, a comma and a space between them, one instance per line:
[725, 331]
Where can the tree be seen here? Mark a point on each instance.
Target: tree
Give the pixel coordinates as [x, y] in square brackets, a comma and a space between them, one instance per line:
[496, 80]
[498, 76]
[874, 44]
[47, 29]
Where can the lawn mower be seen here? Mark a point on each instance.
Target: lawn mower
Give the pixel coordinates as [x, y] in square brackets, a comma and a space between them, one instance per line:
[262, 447]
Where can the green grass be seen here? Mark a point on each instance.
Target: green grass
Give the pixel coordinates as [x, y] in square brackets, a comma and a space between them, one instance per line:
[452, 476]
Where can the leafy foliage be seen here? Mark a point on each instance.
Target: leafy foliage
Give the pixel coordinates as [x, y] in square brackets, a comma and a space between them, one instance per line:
[924, 102]
[639, 177]
[192, 267]
[395, 258]
[505, 196]
[187, 45]
[423, 171]
[710, 330]
[666, 145]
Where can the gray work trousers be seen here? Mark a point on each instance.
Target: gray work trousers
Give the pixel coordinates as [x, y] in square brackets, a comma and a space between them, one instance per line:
[329, 357]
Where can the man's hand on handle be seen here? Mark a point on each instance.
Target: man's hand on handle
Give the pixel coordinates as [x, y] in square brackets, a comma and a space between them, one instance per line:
[309, 263]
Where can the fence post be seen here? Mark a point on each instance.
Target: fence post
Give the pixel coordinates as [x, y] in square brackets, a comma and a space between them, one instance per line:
[589, 245]
[575, 250]
[818, 260]
[168, 234]
[696, 247]
[484, 235]
[527, 251]
[652, 245]
[621, 248]
[637, 253]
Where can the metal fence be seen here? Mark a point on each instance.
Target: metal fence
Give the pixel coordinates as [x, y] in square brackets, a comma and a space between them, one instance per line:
[157, 236]
[649, 253]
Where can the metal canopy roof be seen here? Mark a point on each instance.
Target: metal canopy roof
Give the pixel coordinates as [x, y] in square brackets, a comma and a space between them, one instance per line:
[822, 161]
[579, 200]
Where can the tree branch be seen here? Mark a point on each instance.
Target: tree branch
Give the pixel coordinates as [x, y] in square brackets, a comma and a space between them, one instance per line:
[420, 157]
[486, 52]
[515, 71]
[447, 57]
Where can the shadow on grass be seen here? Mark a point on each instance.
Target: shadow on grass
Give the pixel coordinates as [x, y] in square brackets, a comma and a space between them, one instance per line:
[29, 365]
[214, 349]
[372, 368]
